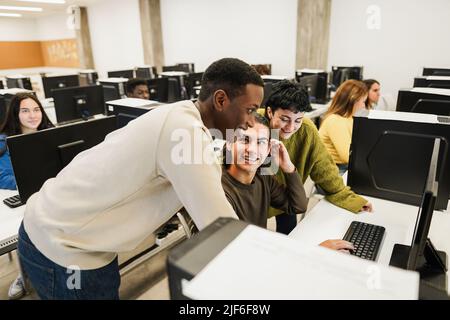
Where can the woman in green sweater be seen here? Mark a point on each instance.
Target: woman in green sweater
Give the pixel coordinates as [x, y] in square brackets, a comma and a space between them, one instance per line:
[285, 110]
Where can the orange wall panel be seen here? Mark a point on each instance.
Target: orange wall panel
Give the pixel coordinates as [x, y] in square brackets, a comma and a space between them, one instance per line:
[60, 53]
[23, 54]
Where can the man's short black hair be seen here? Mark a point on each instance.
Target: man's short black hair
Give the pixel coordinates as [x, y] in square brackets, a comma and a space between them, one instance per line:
[230, 75]
[288, 95]
[133, 83]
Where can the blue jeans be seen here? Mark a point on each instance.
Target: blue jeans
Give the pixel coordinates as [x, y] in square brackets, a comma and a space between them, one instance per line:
[52, 281]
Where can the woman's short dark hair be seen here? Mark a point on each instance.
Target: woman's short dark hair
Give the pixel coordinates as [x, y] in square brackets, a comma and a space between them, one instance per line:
[11, 125]
[230, 75]
[288, 95]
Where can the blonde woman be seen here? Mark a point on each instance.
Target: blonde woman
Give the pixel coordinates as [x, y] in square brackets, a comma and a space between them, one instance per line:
[336, 129]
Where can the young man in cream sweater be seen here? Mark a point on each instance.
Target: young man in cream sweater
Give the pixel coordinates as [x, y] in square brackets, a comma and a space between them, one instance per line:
[114, 195]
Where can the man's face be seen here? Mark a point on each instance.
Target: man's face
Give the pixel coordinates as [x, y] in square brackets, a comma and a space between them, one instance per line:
[251, 148]
[287, 121]
[141, 91]
[240, 111]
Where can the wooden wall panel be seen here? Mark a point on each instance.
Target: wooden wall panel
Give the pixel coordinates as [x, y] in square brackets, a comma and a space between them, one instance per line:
[20, 54]
[60, 53]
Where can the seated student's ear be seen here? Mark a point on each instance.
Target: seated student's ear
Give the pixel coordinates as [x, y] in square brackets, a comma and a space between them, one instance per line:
[220, 100]
[269, 113]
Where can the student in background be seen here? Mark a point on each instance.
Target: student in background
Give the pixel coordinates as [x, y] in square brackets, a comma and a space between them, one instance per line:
[285, 109]
[336, 130]
[25, 115]
[114, 195]
[373, 88]
[137, 88]
[252, 192]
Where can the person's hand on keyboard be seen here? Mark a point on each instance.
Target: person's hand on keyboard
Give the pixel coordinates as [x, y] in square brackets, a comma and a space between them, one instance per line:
[338, 244]
[367, 207]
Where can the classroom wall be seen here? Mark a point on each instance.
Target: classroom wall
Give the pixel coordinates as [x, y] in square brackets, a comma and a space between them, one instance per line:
[257, 31]
[53, 27]
[412, 34]
[115, 35]
[15, 29]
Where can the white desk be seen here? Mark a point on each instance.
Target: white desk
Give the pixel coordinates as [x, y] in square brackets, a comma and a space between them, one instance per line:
[10, 219]
[319, 110]
[326, 221]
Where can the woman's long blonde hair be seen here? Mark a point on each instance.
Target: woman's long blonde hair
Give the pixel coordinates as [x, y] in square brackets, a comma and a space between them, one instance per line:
[345, 98]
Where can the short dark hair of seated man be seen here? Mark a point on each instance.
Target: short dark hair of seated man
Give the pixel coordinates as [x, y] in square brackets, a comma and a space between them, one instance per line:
[137, 88]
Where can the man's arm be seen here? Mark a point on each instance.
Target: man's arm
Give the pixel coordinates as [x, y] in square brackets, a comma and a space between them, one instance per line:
[197, 185]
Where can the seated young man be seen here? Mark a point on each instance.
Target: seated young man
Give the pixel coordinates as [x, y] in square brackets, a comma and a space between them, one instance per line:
[250, 191]
[137, 88]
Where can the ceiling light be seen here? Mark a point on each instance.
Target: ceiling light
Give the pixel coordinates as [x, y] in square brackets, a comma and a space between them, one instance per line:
[46, 1]
[15, 8]
[16, 15]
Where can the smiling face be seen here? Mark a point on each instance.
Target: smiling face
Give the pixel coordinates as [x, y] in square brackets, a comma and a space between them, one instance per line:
[30, 115]
[250, 148]
[286, 120]
[238, 112]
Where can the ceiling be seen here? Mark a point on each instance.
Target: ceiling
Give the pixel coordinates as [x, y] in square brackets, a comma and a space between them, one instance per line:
[48, 8]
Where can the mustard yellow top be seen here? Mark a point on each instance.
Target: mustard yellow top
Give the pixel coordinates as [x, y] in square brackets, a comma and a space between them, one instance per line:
[336, 134]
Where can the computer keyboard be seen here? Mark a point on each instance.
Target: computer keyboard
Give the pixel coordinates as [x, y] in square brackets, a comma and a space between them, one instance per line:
[443, 119]
[13, 202]
[366, 238]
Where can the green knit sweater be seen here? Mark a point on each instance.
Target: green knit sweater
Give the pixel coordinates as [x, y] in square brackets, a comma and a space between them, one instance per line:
[311, 158]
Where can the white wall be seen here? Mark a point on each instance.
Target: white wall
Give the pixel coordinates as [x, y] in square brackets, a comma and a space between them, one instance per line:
[18, 29]
[53, 27]
[116, 39]
[413, 34]
[257, 31]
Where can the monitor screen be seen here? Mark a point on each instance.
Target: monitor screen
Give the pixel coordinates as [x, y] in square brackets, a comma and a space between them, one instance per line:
[51, 150]
[310, 83]
[159, 89]
[51, 83]
[389, 159]
[78, 102]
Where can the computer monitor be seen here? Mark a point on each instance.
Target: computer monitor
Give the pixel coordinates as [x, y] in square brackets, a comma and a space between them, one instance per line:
[18, 82]
[78, 103]
[3, 109]
[113, 88]
[177, 85]
[432, 82]
[186, 67]
[342, 74]
[88, 77]
[389, 157]
[322, 94]
[436, 72]
[130, 73]
[421, 255]
[146, 72]
[51, 150]
[159, 89]
[193, 80]
[129, 109]
[2, 86]
[58, 82]
[424, 100]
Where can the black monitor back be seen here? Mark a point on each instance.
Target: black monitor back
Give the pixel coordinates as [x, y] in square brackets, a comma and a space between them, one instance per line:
[159, 89]
[419, 102]
[342, 74]
[2, 86]
[146, 72]
[423, 82]
[193, 80]
[436, 72]
[24, 83]
[389, 159]
[51, 83]
[186, 67]
[69, 108]
[122, 74]
[51, 150]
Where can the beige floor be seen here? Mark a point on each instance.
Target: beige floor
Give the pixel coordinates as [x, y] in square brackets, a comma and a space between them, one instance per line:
[148, 281]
